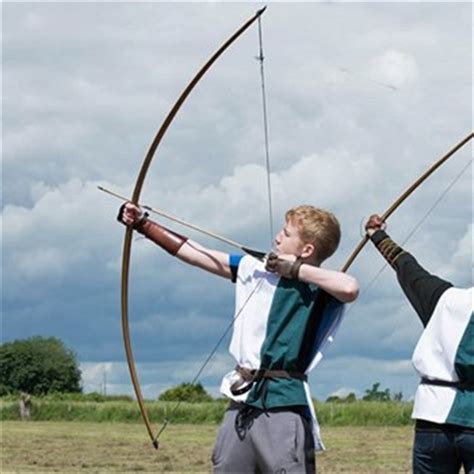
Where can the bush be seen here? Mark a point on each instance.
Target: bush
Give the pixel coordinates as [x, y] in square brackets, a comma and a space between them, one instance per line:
[186, 392]
[38, 366]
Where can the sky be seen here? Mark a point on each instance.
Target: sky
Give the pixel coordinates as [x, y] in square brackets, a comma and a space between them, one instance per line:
[361, 98]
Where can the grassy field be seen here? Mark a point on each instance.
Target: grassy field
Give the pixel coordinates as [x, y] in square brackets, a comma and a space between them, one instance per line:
[359, 413]
[68, 447]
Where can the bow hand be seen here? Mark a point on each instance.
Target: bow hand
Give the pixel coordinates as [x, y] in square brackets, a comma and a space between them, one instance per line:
[131, 215]
[374, 224]
[287, 266]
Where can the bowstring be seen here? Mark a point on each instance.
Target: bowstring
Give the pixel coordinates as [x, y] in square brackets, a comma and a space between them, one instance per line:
[414, 230]
[260, 58]
[211, 354]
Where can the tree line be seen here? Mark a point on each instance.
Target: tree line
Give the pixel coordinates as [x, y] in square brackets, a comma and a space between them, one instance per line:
[44, 365]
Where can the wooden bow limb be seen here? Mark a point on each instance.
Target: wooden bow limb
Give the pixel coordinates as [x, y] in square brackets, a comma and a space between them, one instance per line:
[127, 241]
[405, 195]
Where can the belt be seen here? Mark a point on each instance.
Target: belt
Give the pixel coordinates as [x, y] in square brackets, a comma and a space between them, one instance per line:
[445, 383]
[429, 425]
[251, 376]
[302, 410]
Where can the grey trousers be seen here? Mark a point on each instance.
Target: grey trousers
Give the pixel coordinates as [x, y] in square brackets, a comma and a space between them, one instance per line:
[276, 442]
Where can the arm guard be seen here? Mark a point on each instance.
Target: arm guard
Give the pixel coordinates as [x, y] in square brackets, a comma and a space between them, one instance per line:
[390, 250]
[165, 238]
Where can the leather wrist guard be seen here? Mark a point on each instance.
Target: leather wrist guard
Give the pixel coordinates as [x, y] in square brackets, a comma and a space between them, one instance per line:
[165, 238]
[284, 268]
[390, 250]
[295, 268]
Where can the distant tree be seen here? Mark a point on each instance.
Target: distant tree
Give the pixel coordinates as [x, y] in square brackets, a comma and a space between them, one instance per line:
[4, 389]
[375, 395]
[38, 366]
[349, 398]
[397, 397]
[186, 392]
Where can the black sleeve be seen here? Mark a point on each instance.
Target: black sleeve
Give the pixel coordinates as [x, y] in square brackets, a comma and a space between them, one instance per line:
[422, 289]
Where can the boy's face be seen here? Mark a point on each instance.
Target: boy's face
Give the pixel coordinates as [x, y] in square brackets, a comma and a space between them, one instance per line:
[288, 241]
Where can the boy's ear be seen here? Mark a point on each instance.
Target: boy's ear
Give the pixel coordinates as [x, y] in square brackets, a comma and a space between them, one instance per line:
[308, 251]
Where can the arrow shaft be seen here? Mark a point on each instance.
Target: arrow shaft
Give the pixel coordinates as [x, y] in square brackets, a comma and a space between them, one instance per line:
[178, 220]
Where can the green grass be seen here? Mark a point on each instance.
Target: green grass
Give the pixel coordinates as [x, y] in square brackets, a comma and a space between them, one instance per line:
[67, 447]
[361, 413]
[358, 413]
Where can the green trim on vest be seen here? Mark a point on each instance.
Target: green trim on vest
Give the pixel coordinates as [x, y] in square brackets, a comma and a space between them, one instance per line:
[462, 410]
[290, 311]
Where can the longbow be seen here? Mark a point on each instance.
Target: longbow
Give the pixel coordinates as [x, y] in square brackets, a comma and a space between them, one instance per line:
[127, 243]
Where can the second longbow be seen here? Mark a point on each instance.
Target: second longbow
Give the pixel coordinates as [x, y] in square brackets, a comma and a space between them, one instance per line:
[407, 193]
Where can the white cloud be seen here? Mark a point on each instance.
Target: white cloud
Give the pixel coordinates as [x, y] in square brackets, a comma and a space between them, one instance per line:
[63, 228]
[457, 267]
[154, 378]
[343, 392]
[394, 68]
[333, 376]
[85, 90]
